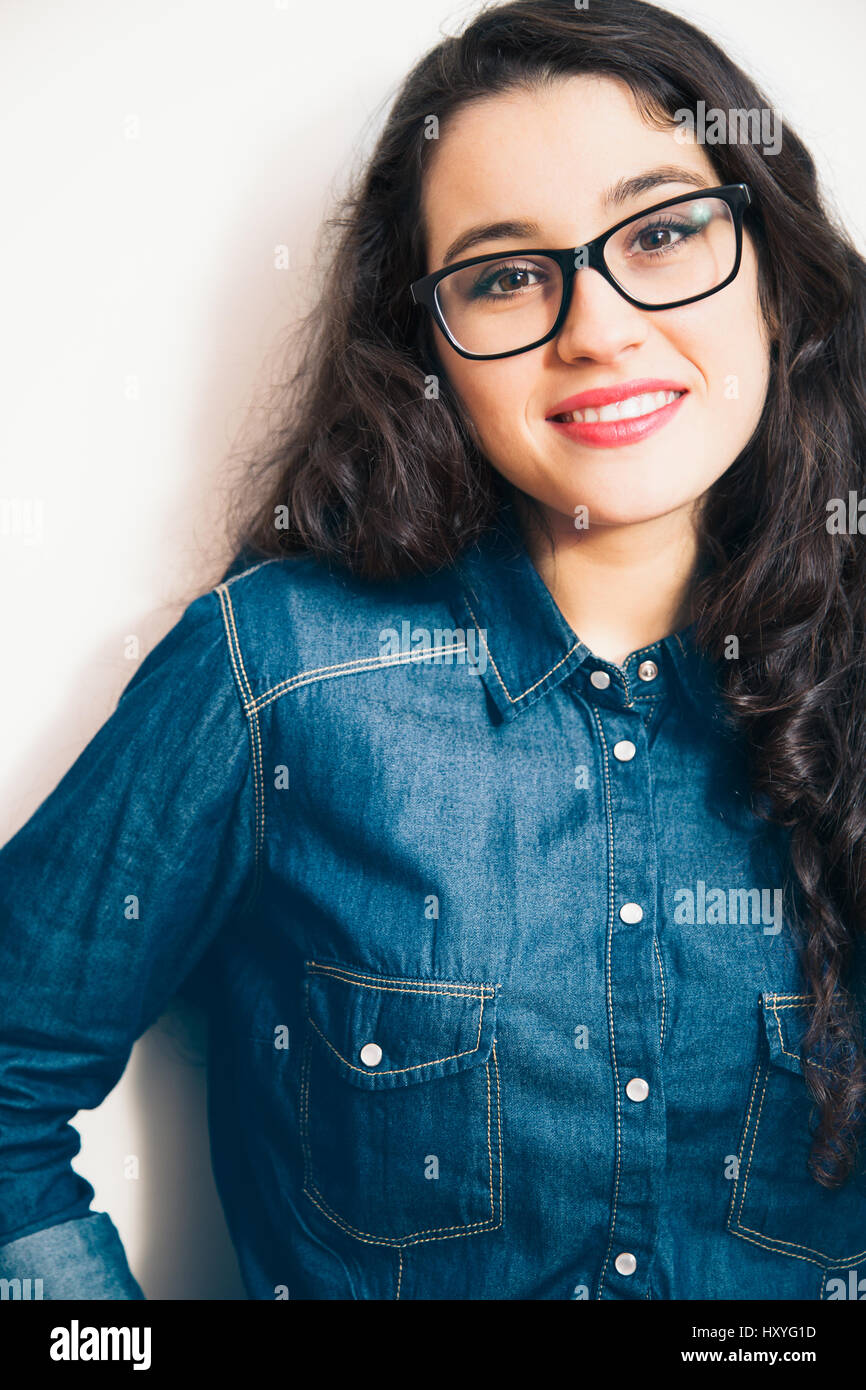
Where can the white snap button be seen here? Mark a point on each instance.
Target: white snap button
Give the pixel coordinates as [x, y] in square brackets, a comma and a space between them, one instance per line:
[631, 912]
[600, 679]
[371, 1054]
[625, 1263]
[647, 671]
[637, 1089]
[624, 751]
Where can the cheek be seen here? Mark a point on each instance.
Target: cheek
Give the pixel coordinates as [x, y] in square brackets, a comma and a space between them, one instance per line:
[731, 351]
[742, 345]
[743, 364]
[494, 395]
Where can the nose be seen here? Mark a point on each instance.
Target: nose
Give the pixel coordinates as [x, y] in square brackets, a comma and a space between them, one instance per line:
[599, 323]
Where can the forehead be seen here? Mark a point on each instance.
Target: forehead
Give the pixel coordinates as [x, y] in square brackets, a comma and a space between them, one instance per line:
[546, 155]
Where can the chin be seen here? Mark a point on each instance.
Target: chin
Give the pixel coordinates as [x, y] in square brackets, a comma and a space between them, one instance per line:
[623, 510]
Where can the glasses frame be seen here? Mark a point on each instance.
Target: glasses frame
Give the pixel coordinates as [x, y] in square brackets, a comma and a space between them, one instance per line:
[737, 196]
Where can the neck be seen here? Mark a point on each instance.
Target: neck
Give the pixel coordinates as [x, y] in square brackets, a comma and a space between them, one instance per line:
[619, 587]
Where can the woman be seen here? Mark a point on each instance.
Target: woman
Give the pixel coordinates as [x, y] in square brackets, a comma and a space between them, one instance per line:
[504, 798]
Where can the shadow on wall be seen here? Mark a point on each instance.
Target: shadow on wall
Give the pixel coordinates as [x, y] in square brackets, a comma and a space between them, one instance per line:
[154, 1125]
[186, 1251]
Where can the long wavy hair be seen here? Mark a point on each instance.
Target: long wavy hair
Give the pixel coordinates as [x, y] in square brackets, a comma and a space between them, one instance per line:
[364, 470]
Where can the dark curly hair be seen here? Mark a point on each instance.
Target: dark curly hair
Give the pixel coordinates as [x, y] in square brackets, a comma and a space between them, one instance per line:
[364, 471]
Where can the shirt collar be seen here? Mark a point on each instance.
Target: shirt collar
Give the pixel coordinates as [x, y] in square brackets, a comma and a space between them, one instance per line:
[526, 648]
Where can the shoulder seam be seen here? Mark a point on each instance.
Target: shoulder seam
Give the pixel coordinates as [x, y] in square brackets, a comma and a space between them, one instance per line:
[252, 569]
[356, 666]
[253, 729]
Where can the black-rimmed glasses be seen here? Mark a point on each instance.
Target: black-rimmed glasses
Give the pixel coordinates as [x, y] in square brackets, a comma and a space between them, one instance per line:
[670, 254]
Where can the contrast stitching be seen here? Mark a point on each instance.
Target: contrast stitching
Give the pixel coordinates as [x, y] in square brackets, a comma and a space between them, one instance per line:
[261, 775]
[354, 668]
[399, 1270]
[765, 1071]
[611, 876]
[779, 1030]
[243, 574]
[498, 1124]
[735, 1215]
[223, 589]
[628, 696]
[255, 722]
[489, 1148]
[417, 1237]
[410, 986]
[795, 1055]
[315, 1196]
[649, 648]
[360, 661]
[739, 1231]
[808, 1062]
[417, 1066]
[662, 974]
[777, 1241]
[489, 652]
[514, 698]
[253, 730]
[397, 989]
[358, 665]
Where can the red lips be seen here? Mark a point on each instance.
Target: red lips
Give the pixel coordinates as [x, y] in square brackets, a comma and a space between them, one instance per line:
[613, 434]
[606, 395]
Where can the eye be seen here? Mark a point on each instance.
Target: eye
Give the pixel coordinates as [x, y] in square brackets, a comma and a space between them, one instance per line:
[665, 234]
[507, 279]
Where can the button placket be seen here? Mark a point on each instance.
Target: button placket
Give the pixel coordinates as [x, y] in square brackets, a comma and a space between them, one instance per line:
[641, 1135]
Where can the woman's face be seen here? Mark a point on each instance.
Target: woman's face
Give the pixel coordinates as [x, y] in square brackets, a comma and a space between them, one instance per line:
[549, 158]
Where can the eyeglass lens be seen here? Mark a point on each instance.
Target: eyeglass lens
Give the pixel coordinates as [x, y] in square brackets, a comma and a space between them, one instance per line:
[669, 255]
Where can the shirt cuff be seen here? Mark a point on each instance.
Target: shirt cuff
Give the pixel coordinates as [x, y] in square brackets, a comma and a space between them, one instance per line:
[83, 1258]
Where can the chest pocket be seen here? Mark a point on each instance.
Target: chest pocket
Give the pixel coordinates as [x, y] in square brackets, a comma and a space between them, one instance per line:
[775, 1202]
[400, 1105]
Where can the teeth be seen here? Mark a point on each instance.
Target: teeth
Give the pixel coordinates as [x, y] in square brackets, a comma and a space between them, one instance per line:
[623, 410]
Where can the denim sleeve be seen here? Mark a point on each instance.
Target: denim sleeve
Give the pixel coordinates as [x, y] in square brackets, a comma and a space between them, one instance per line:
[75, 1259]
[109, 896]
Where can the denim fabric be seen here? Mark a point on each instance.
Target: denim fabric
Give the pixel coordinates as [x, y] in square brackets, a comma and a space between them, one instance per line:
[83, 1258]
[503, 993]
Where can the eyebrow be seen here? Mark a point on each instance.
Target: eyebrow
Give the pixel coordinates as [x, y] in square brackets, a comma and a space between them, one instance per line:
[619, 193]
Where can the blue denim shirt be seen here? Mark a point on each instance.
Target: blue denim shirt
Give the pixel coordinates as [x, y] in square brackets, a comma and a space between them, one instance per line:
[504, 1001]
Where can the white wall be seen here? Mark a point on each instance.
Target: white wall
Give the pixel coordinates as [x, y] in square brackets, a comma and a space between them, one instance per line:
[154, 154]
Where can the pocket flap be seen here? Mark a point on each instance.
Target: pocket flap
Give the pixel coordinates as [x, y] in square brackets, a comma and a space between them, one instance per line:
[775, 1201]
[785, 1020]
[381, 1032]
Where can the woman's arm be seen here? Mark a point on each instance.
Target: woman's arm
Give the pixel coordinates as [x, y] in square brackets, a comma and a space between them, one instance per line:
[109, 896]
[83, 1258]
